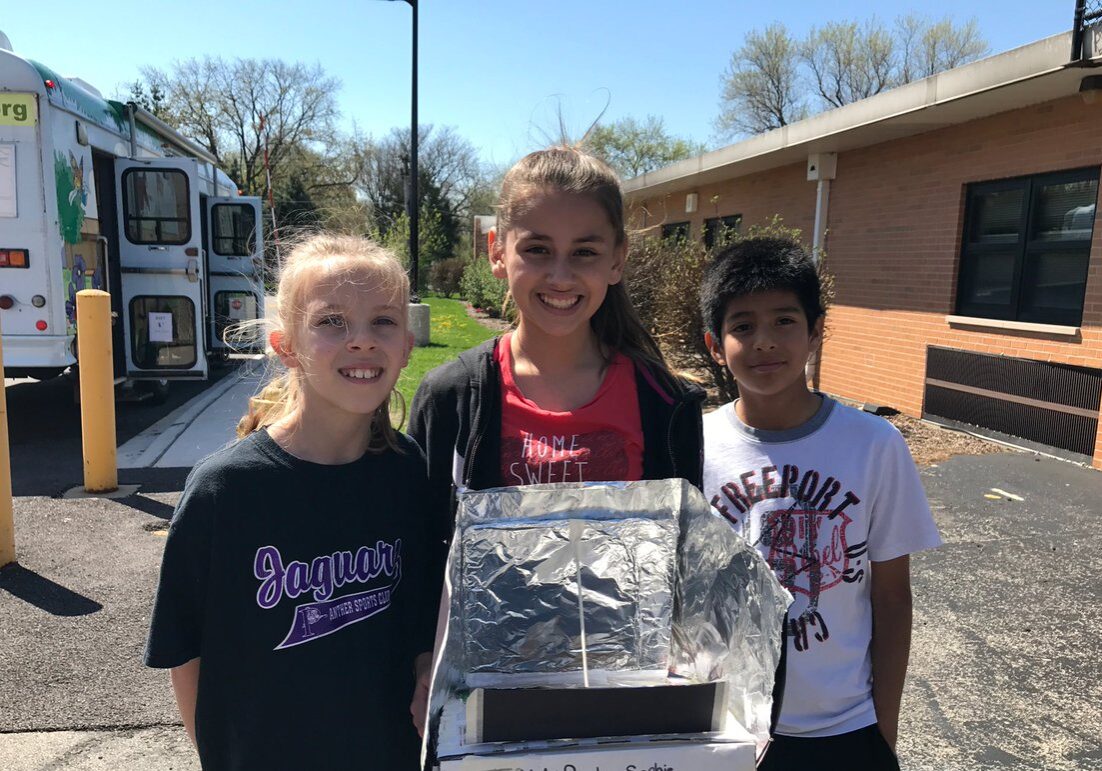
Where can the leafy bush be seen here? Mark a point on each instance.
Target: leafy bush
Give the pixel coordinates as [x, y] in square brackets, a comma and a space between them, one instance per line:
[445, 276]
[479, 287]
[663, 279]
[432, 241]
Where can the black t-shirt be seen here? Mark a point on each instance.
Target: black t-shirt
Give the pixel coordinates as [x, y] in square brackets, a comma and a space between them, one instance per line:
[306, 591]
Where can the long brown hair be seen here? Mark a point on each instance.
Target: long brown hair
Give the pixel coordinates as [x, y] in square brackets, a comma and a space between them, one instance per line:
[570, 170]
[313, 258]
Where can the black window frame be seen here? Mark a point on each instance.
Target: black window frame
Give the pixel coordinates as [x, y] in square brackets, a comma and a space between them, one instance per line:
[127, 217]
[711, 225]
[250, 239]
[136, 355]
[682, 230]
[1025, 250]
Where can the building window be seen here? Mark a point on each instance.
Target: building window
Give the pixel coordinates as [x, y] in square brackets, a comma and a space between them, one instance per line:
[720, 227]
[1026, 247]
[676, 230]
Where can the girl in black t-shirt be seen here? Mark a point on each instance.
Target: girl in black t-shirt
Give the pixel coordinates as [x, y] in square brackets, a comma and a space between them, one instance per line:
[297, 601]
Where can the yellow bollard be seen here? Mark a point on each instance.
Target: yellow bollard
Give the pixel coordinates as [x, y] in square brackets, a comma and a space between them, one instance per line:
[97, 391]
[7, 520]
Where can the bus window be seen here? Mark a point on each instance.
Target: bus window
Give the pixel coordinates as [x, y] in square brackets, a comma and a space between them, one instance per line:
[163, 332]
[232, 308]
[155, 206]
[234, 229]
[8, 206]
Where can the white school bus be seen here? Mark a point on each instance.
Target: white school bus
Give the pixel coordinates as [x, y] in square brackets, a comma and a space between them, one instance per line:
[97, 194]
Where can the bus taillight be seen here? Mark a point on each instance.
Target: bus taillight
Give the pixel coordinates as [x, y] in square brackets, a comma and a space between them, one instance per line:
[14, 258]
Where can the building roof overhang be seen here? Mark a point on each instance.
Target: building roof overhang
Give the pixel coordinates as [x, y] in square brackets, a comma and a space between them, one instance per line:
[1035, 73]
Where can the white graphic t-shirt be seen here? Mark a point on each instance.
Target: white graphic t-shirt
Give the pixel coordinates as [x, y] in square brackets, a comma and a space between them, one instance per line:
[820, 502]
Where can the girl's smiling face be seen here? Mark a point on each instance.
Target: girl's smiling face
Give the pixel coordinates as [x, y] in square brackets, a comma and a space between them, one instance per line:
[350, 344]
[559, 257]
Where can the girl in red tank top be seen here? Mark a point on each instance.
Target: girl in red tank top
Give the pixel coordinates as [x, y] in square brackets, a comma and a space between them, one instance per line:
[579, 391]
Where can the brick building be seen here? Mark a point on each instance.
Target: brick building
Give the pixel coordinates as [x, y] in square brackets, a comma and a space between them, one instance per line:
[481, 224]
[957, 215]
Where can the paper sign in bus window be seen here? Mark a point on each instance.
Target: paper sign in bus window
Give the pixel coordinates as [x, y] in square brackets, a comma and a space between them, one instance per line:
[160, 327]
[7, 181]
[242, 307]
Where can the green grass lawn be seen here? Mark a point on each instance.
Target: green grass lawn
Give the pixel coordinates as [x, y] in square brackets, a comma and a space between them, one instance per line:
[452, 331]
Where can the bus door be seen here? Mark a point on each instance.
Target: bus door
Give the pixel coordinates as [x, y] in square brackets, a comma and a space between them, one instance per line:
[161, 268]
[235, 257]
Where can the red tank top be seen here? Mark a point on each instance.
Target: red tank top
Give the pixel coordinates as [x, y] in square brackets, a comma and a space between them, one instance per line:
[600, 441]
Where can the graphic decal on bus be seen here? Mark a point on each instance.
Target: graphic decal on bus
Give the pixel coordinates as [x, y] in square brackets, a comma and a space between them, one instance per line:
[71, 195]
[81, 262]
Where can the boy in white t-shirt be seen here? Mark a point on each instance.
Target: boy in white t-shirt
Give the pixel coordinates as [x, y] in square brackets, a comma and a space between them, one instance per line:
[830, 497]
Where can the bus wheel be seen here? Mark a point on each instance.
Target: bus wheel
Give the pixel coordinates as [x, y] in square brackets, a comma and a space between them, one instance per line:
[157, 390]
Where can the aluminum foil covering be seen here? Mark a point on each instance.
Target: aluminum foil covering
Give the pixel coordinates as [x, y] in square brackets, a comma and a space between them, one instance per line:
[554, 596]
[610, 582]
[730, 615]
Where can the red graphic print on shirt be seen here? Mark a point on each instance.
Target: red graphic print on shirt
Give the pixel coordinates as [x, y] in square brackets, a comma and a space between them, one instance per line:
[807, 549]
[805, 543]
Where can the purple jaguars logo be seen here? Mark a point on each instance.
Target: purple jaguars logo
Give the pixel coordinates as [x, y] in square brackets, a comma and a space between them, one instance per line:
[322, 577]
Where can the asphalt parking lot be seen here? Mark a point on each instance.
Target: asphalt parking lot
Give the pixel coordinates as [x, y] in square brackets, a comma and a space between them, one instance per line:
[44, 431]
[1004, 666]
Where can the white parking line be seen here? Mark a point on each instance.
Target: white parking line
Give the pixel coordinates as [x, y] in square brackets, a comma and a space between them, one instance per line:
[1005, 494]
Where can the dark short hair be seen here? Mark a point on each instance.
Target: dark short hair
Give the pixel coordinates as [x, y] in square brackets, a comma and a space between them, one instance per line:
[755, 265]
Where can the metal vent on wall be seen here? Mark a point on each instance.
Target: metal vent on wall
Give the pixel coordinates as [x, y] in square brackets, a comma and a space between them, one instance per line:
[1053, 404]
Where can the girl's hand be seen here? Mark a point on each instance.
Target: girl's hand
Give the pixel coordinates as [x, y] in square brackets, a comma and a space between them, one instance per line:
[419, 707]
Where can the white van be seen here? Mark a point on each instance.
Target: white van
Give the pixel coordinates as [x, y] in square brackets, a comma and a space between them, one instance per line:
[99, 194]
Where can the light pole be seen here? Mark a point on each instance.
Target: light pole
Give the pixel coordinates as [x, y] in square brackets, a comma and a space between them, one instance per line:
[414, 207]
[418, 312]
[413, 210]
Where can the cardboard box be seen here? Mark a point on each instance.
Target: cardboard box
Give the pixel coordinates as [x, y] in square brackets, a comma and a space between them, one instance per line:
[627, 756]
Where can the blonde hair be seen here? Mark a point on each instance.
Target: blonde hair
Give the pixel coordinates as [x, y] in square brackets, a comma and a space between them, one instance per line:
[563, 169]
[315, 257]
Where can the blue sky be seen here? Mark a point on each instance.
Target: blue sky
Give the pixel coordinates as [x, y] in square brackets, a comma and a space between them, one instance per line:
[495, 70]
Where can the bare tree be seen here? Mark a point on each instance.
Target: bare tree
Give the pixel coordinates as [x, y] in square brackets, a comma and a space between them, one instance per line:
[849, 62]
[929, 47]
[317, 187]
[448, 166]
[761, 89]
[231, 107]
[635, 147]
[768, 79]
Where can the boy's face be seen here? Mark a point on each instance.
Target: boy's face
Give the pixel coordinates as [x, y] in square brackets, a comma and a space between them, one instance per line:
[765, 342]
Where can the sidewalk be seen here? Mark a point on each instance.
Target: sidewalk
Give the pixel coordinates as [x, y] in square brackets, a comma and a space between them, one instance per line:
[1004, 671]
[197, 428]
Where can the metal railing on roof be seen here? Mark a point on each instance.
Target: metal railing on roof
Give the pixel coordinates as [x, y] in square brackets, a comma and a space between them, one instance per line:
[1088, 13]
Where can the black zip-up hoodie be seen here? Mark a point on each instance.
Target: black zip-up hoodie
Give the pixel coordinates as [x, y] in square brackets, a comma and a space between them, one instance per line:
[456, 418]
